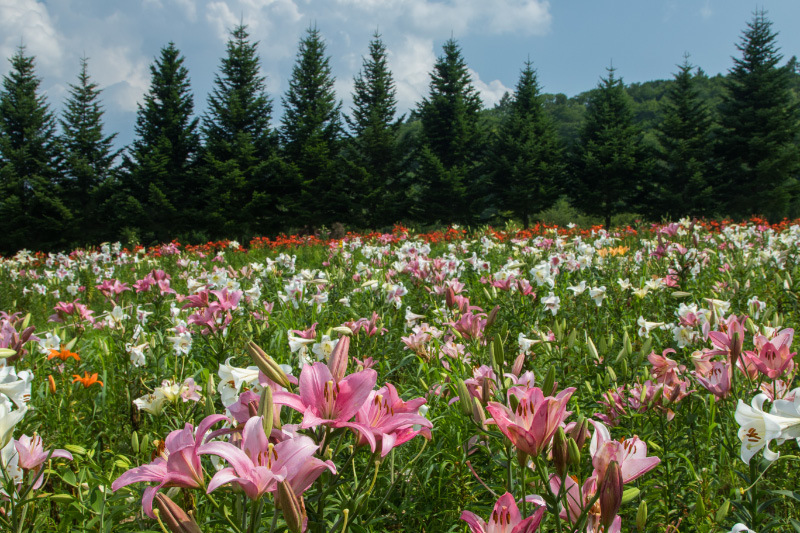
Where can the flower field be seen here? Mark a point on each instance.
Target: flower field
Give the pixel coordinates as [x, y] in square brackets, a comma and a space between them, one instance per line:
[549, 379]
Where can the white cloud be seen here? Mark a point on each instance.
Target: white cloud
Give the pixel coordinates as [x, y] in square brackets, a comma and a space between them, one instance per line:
[706, 11]
[491, 92]
[28, 22]
[411, 63]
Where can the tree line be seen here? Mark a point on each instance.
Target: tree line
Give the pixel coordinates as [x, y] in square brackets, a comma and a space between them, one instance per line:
[692, 146]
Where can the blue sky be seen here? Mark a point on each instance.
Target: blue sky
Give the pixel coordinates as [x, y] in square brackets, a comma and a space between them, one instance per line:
[570, 42]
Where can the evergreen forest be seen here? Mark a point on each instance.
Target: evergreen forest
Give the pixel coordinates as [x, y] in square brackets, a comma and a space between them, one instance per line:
[249, 162]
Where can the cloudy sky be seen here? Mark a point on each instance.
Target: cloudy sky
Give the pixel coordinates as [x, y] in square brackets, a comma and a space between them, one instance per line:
[571, 42]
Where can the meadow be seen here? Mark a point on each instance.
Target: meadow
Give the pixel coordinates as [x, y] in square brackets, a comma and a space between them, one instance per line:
[557, 379]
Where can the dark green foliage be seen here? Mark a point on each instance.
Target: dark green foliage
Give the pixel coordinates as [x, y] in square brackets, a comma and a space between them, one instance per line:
[451, 139]
[88, 160]
[372, 157]
[163, 195]
[239, 159]
[685, 158]
[759, 120]
[526, 162]
[311, 133]
[609, 163]
[32, 212]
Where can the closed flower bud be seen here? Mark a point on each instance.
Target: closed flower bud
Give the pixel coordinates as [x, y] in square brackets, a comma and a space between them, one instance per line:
[135, 442]
[641, 516]
[610, 494]
[516, 369]
[266, 409]
[573, 452]
[293, 507]
[464, 398]
[477, 413]
[560, 452]
[210, 392]
[549, 382]
[175, 518]
[492, 318]
[51, 384]
[337, 362]
[267, 365]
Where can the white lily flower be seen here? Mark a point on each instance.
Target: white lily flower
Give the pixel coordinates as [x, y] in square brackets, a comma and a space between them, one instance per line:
[9, 419]
[598, 294]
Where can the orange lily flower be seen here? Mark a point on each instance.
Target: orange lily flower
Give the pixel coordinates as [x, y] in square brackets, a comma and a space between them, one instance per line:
[63, 354]
[86, 380]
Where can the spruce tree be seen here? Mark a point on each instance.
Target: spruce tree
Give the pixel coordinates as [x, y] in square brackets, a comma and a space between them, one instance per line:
[32, 213]
[240, 145]
[527, 165]
[686, 151]
[372, 155]
[759, 120]
[161, 176]
[451, 139]
[311, 131]
[89, 157]
[609, 156]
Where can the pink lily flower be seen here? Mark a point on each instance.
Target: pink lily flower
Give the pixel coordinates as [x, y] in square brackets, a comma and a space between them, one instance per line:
[630, 454]
[505, 518]
[773, 360]
[718, 380]
[31, 455]
[258, 465]
[470, 326]
[324, 401]
[665, 369]
[177, 466]
[728, 342]
[536, 419]
[310, 333]
[577, 499]
[392, 420]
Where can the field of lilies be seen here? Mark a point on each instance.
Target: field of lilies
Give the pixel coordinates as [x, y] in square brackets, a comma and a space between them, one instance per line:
[548, 379]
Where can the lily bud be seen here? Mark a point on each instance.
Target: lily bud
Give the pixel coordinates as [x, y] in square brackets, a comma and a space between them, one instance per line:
[477, 413]
[175, 518]
[337, 362]
[449, 297]
[560, 452]
[210, 392]
[610, 494]
[266, 409]
[498, 354]
[641, 516]
[135, 442]
[516, 369]
[464, 398]
[573, 452]
[267, 365]
[51, 384]
[293, 507]
[492, 318]
[549, 382]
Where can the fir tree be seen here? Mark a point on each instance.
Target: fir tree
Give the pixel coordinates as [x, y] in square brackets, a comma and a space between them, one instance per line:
[609, 156]
[161, 179]
[372, 155]
[758, 115]
[311, 131]
[451, 138]
[32, 214]
[89, 158]
[527, 163]
[240, 145]
[685, 158]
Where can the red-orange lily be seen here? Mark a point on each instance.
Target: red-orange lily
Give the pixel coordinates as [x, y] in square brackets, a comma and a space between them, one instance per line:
[87, 380]
[63, 354]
